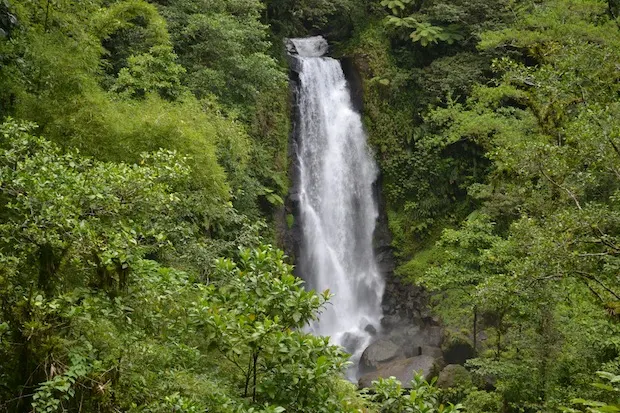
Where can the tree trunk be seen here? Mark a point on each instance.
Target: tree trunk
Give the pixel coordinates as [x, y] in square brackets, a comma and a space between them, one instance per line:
[475, 330]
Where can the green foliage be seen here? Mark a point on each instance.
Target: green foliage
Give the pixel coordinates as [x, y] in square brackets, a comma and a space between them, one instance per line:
[390, 397]
[156, 71]
[85, 228]
[499, 163]
[495, 127]
[89, 322]
[599, 406]
[224, 50]
[430, 23]
[545, 231]
[52, 393]
[298, 18]
[480, 401]
[423, 32]
[168, 127]
[95, 87]
[65, 202]
[124, 14]
[424, 176]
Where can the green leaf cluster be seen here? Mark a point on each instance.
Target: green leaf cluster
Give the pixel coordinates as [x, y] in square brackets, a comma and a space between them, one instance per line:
[422, 396]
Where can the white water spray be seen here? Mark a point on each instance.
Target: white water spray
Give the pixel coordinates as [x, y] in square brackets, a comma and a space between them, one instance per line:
[338, 210]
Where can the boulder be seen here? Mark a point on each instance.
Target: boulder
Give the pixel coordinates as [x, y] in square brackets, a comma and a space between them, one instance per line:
[351, 341]
[415, 341]
[454, 375]
[405, 336]
[294, 64]
[290, 47]
[370, 329]
[403, 370]
[381, 351]
[435, 352]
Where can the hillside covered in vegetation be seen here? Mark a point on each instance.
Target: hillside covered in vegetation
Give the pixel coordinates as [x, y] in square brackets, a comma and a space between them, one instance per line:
[144, 158]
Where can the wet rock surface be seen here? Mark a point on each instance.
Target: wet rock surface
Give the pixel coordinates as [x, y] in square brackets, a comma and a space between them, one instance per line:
[379, 353]
[402, 370]
[401, 351]
[410, 338]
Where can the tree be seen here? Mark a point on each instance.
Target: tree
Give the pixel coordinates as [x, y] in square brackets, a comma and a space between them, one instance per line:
[257, 310]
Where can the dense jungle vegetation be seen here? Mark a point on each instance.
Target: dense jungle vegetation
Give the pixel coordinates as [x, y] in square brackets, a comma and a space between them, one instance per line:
[143, 156]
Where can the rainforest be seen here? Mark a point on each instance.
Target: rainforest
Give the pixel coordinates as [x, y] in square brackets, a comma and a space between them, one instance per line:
[309, 206]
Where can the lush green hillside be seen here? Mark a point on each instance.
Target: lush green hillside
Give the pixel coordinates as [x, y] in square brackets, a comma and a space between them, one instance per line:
[143, 153]
[165, 131]
[495, 124]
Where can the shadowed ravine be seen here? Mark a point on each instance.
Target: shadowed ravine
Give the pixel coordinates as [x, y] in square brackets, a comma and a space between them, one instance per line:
[338, 212]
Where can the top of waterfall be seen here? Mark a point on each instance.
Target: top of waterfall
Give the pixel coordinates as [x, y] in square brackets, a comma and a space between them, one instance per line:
[315, 46]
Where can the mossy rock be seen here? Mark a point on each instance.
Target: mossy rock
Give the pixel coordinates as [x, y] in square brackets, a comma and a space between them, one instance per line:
[454, 375]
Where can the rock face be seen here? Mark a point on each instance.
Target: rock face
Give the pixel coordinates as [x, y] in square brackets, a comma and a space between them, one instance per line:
[8, 21]
[402, 370]
[287, 218]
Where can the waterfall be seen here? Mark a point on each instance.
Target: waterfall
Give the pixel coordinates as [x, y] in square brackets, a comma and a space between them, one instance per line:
[338, 211]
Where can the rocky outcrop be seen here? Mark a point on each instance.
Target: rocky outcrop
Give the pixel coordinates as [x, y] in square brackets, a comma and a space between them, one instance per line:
[403, 370]
[403, 349]
[287, 217]
[8, 21]
[354, 80]
[408, 329]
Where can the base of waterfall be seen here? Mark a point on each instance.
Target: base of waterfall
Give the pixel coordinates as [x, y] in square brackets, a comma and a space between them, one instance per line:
[401, 351]
[406, 347]
[411, 339]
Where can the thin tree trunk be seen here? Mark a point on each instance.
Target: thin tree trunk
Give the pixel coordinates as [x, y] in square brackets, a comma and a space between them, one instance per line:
[248, 374]
[255, 372]
[499, 340]
[475, 330]
[47, 15]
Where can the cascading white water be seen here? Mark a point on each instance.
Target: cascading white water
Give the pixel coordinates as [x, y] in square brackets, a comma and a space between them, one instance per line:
[338, 210]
